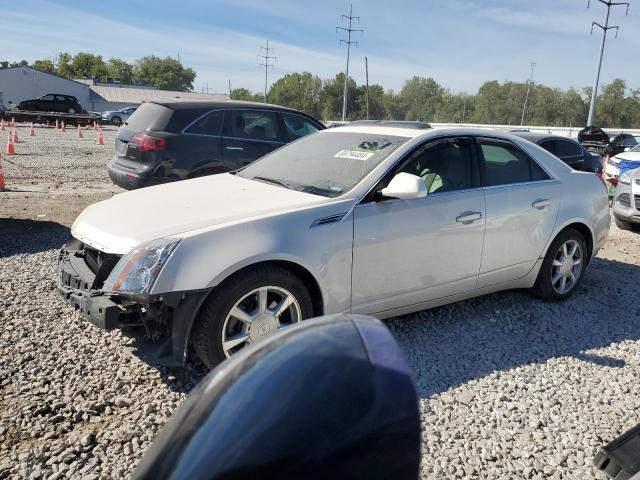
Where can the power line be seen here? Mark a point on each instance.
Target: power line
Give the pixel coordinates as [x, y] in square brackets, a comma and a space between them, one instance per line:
[265, 58]
[526, 98]
[348, 43]
[605, 29]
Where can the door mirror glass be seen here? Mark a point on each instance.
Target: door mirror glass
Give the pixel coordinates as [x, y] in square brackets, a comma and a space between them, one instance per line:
[405, 187]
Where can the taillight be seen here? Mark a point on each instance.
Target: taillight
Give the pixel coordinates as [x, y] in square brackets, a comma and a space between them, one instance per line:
[147, 143]
[613, 181]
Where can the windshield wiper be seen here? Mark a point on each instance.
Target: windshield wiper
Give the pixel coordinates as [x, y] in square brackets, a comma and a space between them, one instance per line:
[275, 181]
[325, 192]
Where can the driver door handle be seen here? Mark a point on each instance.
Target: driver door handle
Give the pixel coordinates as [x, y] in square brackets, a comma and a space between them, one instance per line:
[468, 217]
[541, 203]
[234, 148]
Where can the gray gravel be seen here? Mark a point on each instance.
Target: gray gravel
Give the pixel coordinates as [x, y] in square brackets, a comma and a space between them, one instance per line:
[510, 387]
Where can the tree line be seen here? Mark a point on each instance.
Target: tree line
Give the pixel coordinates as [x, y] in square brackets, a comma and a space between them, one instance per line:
[422, 98]
[166, 73]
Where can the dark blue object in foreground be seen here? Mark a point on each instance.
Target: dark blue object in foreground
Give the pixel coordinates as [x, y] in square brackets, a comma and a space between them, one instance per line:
[330, 398]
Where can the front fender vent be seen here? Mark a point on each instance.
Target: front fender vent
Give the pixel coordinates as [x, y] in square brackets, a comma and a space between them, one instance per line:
[329, 219]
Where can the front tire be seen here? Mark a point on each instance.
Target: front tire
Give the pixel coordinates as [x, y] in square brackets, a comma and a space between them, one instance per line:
[563, 267]
[246, 308]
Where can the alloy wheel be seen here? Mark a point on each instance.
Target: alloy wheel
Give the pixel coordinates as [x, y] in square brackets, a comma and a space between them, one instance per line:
[566, 267]
[258, 314]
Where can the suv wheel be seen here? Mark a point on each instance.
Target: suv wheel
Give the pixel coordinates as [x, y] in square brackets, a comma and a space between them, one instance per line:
[246, 309]
[117, 121]
[563, 267]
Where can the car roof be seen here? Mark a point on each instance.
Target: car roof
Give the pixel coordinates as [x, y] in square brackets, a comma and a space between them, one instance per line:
[537, 137]
[178, 104]
[411, 133]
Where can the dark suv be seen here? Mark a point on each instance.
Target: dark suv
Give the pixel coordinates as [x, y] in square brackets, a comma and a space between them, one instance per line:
[52, 102]
[179, 139]
[567, 150]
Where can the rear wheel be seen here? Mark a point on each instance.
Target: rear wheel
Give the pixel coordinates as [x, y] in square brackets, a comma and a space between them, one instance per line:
[117, 121]
[246, 309]
[563, 267]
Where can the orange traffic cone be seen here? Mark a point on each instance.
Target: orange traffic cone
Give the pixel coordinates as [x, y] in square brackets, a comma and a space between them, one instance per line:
[15, 135]
[2, 124]
[80, 132]
[10, 148]
[62, 128]
[95, 125]
[100, 139]
[1, 175]
[13, 121]
[32, 132]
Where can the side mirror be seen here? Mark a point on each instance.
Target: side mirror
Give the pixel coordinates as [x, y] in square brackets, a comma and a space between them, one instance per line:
[626, 149]
[405, 186]
[328, 398]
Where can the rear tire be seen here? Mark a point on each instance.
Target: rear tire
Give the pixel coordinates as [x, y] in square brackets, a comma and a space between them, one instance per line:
[117, 121]
[561, 263]
[215, 321]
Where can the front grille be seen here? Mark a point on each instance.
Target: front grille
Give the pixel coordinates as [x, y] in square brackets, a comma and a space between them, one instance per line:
[637, 199]
[624, 199]
[638, 181]
[100, 264]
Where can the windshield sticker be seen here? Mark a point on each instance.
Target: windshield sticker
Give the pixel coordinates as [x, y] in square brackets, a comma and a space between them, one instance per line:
[353, 155]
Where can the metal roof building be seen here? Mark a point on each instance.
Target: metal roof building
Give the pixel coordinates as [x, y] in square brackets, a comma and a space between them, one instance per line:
[104, 98]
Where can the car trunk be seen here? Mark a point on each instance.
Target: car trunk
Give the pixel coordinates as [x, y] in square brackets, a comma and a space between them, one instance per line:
[149, 117]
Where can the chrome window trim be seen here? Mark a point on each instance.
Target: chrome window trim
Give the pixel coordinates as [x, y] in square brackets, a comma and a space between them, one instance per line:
[429, 195]
[511, 185]
[241, 139]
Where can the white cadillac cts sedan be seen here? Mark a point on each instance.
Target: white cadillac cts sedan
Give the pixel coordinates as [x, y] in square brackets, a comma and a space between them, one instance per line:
[371, 219]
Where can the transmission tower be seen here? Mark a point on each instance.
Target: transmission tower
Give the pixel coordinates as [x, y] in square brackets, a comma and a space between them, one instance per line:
[526, 98]
[265, 56]
[605, 29]
[348, 42]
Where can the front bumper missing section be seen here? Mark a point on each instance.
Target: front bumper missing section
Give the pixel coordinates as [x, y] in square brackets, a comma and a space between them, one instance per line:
[168, 316]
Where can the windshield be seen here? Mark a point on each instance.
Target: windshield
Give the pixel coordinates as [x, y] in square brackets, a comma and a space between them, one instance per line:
[635, 149]
[328, 164]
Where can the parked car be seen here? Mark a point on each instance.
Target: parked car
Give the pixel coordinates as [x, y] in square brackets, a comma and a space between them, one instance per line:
[362, 219]
[178, 139]
[567, 150]
[617, 165]
[594, 139]
[52, 102]
[626, 200]
[622, 142]
[331, 398]
[117, 117]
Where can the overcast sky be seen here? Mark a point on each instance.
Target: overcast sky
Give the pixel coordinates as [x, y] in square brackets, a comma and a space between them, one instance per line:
[460, 43]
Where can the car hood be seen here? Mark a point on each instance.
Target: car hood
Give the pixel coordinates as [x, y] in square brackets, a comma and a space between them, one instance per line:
[629, 156]
[129, 219]
[593, 134]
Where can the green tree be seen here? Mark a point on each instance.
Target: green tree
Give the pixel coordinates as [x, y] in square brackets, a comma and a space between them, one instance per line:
[88, 65]
[64, 66]
[118, 68]
[420, 97]
[302, 91]
[332, 95]
[610, 105]
[44, 66]
[245, 95]
[167, 73]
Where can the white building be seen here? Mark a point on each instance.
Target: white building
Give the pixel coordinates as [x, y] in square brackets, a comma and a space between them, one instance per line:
[22, 83]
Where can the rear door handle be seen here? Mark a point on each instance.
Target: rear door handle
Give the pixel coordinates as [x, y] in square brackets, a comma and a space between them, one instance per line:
[468, 217]
[541, 203]
[234, 148]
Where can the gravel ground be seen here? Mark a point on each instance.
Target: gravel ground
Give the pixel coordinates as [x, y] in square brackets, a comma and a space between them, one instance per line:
[54, 176]
[510, 387]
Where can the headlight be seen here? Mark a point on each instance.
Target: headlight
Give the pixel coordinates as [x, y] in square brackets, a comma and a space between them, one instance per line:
[625, 178]
[137, 271]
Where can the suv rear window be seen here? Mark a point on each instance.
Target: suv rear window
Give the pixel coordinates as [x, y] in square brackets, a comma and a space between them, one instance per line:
[150, 116]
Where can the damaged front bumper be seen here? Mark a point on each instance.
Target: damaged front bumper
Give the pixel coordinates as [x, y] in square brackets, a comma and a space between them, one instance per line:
[162, 320]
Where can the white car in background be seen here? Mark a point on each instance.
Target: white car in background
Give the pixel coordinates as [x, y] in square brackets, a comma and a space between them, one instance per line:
[617, 165]
[118, 117]
[371, 219]
[626, 200]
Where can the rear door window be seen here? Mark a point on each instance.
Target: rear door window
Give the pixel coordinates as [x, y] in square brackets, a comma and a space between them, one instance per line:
[209, 124]
[505, 164]
[298, 126]
[566, 148]
[150, 116]
[251, 124]
[48, 98]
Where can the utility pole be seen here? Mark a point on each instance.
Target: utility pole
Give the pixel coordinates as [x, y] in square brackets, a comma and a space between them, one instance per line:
[229, 88]
[605, 29]
[348, 43]
[464, 105]
[265, 58]
[366, 72]
[526, 98]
